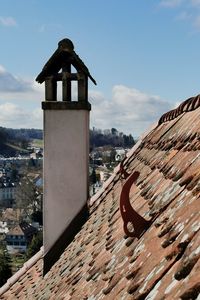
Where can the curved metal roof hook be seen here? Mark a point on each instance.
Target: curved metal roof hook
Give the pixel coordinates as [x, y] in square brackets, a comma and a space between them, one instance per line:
[134, 224]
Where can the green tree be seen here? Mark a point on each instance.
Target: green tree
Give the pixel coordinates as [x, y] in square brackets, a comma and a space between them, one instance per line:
[24, 143]
[5, 269]
[112, 155]
[114, 131]
[131, 140]
[14, 174]
[26, 197]
[93, 177]
[34, 246]
[37, 217]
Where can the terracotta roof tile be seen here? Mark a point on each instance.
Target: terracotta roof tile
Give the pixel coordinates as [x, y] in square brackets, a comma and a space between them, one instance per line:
[102, 262]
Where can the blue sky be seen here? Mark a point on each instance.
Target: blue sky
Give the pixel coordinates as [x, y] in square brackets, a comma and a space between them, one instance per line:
[143, 54]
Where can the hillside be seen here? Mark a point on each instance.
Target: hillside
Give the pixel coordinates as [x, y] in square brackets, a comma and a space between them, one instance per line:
[10, 150]
[15, 141]
[110, 137]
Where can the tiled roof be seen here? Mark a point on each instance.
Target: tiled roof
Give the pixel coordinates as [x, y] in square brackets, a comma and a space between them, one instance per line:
[102, 262]
[9, 214]
[15, 231]
[23, 229]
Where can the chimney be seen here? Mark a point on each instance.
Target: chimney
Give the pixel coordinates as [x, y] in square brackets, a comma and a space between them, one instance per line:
[66, 150]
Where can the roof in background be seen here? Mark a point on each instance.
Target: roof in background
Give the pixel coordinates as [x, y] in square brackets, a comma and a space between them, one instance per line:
[102, 262]
[15, 231]
[9, 214]
[23, 229]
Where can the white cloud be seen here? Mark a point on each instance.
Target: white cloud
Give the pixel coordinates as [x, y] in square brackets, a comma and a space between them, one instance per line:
[187, 10]
[50, 27]
[19, 101]
[179, 3]
[12, 84]
[129, 110]
[171, 3]
[8, 21]
[2, 69]
[13, 116]
[195, 2]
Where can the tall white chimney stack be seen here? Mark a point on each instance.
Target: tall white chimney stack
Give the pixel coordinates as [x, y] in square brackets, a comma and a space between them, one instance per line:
[66, 150]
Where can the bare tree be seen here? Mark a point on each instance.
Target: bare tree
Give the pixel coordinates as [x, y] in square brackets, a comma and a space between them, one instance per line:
[27, 197]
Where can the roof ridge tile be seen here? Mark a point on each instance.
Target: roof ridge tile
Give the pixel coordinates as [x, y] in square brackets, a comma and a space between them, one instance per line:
[189, 104]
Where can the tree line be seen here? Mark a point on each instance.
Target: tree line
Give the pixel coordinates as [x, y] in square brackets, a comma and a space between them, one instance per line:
[110, 137]
[98, 137]
[20, 134]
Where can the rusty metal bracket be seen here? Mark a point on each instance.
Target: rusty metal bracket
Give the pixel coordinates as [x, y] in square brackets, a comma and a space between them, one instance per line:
[130, 217]
[123, 172]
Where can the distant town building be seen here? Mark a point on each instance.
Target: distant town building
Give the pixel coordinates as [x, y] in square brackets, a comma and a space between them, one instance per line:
[18, 238]
[37, 153]
[16, 241]
[7, 193]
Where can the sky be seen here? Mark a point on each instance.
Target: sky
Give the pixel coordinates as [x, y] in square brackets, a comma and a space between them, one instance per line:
[143, 54]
